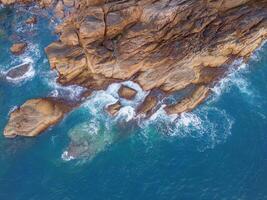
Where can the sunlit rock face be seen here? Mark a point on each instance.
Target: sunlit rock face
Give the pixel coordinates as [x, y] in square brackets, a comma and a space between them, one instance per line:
[159, 44]
[162, 45]
[34, 116]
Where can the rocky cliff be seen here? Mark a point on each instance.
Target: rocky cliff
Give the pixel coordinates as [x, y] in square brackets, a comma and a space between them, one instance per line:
[161, 44]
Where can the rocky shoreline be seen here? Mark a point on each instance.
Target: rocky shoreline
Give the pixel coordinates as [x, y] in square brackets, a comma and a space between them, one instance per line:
[161, 45]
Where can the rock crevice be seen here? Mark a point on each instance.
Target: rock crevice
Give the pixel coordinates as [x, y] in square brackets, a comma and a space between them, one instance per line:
[164, 44]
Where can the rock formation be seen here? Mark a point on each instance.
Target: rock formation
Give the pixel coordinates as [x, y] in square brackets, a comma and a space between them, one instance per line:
[35, 116]
[147, 106]
[159, 44]
[127, 92]
[163, 44]
[18, 48]
[113, 109]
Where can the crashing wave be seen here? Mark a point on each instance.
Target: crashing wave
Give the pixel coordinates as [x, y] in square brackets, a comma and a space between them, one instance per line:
[208, 125]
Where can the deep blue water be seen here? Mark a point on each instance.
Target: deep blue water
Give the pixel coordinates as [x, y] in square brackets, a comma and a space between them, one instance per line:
[219, 151]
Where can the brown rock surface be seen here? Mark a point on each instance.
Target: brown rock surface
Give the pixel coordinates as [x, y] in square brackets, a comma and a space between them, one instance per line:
[164, 44]
[113, 109]
[127, 92]
[18, 48]
[59, 9]
[147, 106]
[189, 103]
[31, 20]
[34, 116]
[159, 44]
[8, 2]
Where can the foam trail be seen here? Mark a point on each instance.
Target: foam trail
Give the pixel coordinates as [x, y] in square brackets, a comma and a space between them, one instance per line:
[236, 78]
[201, 125]
[257, 54]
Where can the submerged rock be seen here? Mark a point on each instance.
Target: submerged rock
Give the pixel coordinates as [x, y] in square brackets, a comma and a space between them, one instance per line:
[86, 140]
[18, 48]
[34, 116]
[148, 105]
[127, 92]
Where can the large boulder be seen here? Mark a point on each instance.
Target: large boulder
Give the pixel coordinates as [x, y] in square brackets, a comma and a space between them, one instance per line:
[127, 92]
[149, 103]
[34, 116]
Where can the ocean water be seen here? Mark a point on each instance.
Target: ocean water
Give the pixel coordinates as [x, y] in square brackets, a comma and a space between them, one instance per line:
[218, 151]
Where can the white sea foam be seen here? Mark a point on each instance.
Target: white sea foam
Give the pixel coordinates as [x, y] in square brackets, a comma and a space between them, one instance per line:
[140, 95]
[98, 101]
[207, 125]
[127, 113]
[87, 139]
[30, 56]
[257, 54]
[235, 78]
[12, 109]
[101, 99]
[66, 157]
[71, 92]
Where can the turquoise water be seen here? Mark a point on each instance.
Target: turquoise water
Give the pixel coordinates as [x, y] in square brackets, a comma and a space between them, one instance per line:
[219, 151]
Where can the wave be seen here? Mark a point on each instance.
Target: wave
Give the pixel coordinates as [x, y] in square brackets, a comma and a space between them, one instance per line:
[207, 125]
[257, 55]
[237, 77]
[72, 92]
[101, 99]
[97, 132]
